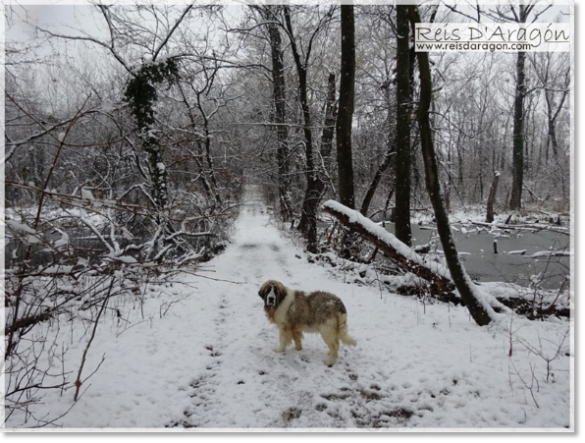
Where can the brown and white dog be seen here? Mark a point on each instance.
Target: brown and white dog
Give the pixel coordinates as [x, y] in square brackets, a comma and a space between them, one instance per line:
[295, 312]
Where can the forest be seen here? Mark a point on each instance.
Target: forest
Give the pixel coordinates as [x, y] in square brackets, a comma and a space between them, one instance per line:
[134, 133]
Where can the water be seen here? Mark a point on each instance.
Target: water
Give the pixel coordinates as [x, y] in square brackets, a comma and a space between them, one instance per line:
[475, 245]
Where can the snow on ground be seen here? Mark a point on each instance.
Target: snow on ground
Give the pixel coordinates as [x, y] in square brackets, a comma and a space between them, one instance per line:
[200, 357]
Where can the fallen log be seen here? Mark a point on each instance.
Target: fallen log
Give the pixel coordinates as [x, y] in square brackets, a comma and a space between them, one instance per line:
[536, 227]
[436, 274]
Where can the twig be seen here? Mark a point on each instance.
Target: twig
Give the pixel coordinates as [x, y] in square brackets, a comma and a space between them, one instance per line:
[78, 382]
[130, 327]
[531, 387]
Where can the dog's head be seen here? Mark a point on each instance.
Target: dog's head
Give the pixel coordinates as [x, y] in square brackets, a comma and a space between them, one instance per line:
[272, 293]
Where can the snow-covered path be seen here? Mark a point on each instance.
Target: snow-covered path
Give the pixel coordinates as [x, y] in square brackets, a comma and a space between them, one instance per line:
[243, 383]
[202, 356]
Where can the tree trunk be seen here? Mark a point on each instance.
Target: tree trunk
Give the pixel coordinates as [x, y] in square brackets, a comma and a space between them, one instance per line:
[403, 114]
[481, 313]
[552, 115]
[308, 222]
[346, 104]
[278, 81]
[207, 154]
[196, 157]
[492, 199]
[328, 129]
[518, 135]
[375, 182]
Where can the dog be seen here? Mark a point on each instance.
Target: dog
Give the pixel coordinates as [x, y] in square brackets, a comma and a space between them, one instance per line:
[295, 312]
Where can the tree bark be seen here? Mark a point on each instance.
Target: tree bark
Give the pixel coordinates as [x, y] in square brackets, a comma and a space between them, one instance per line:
[375, 182]
[279, 93]
[403, 115]
[518, 135]
[313, 193]
[328, 129]
[346, 105]
[481, 314]
[489, 218]
[308, 222]
[524, 11]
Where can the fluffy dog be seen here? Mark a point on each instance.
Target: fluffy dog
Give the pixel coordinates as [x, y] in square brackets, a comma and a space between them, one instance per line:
[295, 312]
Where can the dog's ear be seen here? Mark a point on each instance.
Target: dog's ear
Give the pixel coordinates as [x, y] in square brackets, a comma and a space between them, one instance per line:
[263, 291]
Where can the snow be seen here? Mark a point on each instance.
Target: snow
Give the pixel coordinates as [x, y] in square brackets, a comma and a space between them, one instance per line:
[200, 358]
[58, 269]
[127, 234]
[381, 233]
[86, 194]
[107, 106]
[63, 242]
[549, 254]
[20, 227]
[517, 252]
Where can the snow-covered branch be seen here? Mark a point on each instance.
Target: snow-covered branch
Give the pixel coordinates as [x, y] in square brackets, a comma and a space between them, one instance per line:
[390, 246]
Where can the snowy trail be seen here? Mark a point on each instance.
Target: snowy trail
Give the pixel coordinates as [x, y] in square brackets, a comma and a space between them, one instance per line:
[201, 356]
[404, 371]
[244, 383]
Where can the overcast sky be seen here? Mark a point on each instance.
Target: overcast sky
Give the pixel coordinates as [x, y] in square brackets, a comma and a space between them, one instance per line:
[77, 15]
[62, 18]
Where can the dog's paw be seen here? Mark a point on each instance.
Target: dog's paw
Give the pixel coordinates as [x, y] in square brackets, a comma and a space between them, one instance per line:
[278, 350]
[330, 361]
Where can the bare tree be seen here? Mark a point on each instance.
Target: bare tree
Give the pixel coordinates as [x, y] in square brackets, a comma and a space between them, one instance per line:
[481, 313]
[403, 117]
[520, 14]
[346, 105]
[308, 222]
[270, 14]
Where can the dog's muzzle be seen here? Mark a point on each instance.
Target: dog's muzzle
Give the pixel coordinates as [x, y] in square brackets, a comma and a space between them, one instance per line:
[271, 298]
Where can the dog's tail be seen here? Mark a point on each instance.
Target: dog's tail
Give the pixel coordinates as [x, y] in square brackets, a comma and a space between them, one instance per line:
[342, 330]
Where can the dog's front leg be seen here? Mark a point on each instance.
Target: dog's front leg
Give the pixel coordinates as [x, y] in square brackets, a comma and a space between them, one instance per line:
[285, 338]
[298, 337]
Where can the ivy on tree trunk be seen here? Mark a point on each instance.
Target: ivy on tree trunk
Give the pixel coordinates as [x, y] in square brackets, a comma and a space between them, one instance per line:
[141, 94]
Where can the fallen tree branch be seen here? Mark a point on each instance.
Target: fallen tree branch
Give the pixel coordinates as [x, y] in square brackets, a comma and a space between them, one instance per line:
[27, 321]
[437, 275]
[523, 227]
[391, 247]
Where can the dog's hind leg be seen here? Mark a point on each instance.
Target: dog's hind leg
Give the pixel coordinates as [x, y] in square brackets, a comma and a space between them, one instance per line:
[332, 341]
[343, 334]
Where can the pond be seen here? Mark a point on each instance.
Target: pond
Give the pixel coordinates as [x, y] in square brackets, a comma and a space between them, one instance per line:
[524, 255]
